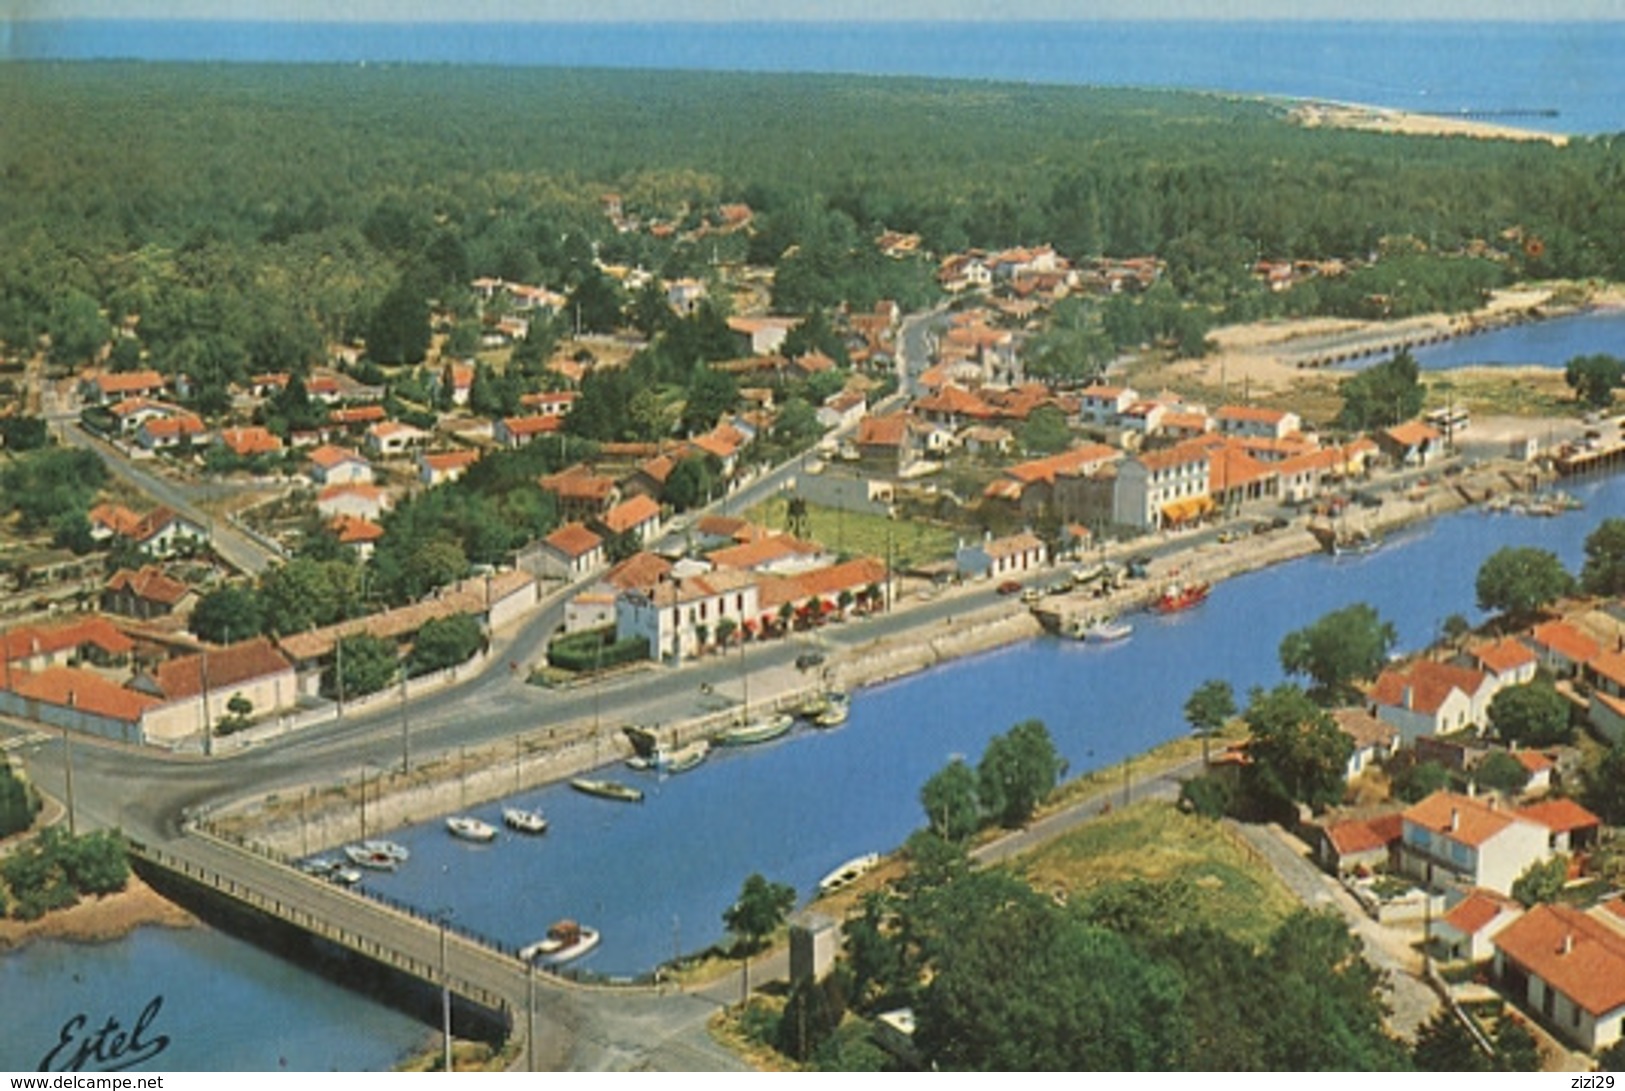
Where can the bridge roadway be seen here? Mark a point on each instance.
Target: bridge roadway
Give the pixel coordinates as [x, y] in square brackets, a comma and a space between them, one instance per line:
[559, 1025]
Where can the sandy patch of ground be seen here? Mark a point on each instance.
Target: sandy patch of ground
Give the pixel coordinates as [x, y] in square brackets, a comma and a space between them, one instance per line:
[97, 920]
[1377, 119]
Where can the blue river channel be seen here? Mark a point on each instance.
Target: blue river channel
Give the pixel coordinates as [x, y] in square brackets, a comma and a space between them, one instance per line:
[224, 1005]
[1549, 343]
[656, 877]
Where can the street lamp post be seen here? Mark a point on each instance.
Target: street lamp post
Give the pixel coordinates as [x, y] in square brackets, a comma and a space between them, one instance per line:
[67, 765]
[445, 989]
[406, 733]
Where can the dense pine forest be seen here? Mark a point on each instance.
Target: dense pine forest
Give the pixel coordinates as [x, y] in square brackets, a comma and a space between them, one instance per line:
[248, 213]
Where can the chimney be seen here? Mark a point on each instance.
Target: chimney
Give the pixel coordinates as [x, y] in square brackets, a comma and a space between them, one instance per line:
[1455, 819]
[1568, 944]
[1408, 697]
[1472, 789]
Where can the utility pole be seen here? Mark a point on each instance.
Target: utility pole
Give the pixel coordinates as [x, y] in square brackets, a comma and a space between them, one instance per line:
[67, 765]
[363, 803]
[406, 733]
[338, 671]
[208, 725]
[445, 990]
[530, 1016]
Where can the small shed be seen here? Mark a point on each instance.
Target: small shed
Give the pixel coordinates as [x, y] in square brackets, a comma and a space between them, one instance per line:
[815, 940]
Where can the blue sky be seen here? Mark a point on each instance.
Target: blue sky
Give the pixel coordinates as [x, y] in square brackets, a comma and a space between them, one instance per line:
[775, 10]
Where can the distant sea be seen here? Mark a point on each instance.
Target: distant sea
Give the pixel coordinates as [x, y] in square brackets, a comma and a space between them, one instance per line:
[1521, 72]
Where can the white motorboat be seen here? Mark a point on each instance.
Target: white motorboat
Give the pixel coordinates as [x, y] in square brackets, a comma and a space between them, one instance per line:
[470, 828]
[848, 873]
[565, 940]
[344, 876]
[391, 849]
[370, 858]
[524, 821]
[1107, 630]
[752, 732]
[837, 705]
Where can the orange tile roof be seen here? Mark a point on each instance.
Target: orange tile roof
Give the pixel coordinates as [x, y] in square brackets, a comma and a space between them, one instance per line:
[252, 440]
[1504, 656]
[1430, 685]
[1559, 815]
[359, 414]
[352, 529]
[31, 640]
[328, 456]
[1579, 956]
[365, 492]
[229, 666]
[1180, 455]
[1104, 393]
[723, 581]
[1477, 910]
[762, 551]
[1013, 545]
[1357, 835]
[1609, 665]
[883, 431]
[184, 424]
[828, 582]
[630, 513]
[1533, 760]
[1411, 434]
[574, 540]
[578, 483]
[1073, 460]
[1234, 468]
[1566, 640]
[954, 399]
[116, 518]
[1255, 414]
[533, 426]
[128, 382]
[149, 582]
[446, 461]
[66, 687]
[1474, 820]
[466, 597]
[640, 571]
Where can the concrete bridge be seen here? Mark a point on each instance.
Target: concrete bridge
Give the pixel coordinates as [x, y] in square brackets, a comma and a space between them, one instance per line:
[557, 1024]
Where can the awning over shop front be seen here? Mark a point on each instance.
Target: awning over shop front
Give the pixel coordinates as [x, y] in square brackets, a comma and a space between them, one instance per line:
[1183, 511]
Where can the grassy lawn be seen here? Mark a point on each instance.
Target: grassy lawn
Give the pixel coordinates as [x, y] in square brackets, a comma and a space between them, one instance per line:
[864, 535]
[1226, 885]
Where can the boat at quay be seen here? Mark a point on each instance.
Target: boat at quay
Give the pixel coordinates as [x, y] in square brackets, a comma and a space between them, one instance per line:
[775, 802]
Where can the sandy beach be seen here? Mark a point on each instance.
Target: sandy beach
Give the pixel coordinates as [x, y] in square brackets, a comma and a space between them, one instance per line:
[1378, 119]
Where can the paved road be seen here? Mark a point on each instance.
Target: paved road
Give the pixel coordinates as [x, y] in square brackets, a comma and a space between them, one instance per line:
[234, 547]
[1412, 1001]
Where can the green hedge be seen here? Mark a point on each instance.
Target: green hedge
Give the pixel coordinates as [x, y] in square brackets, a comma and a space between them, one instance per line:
[591, 650]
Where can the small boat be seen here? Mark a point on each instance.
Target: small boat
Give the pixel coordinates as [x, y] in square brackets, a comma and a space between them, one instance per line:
[836, 707]
[517, 818]
[471, 829]
[1106, 631]
[391, 849]
[608, 789]
[344, 876]
[320, 866]
[757, 731]
[372, 859]
[1355, 543]
[564, 941]
[684, 758]
[848, 873]
[813, 707]
[1180, 596]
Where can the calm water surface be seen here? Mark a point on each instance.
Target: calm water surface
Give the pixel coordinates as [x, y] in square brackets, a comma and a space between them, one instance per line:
[1552, 343]
[226, 1006]
[656, 877]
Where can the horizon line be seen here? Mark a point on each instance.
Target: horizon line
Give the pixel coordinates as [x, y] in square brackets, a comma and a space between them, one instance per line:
[796, 20]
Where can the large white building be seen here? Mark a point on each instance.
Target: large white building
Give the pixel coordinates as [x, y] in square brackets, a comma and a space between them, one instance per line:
[1161, 488]
[680, 616]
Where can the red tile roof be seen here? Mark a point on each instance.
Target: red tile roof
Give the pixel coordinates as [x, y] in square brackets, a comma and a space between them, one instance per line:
[639, 572]
[1430, 684]
[828, 582]
[352, 529]
[1579, 956]
[578, 483]
[630, 513]
[149, 582]
[252, 440]
[1474, 821]
[1254, 414]
[763, 551]
[183, 425]
[30, 640]
[1504, 656]
[66, 687]
[533, 426]
[447, 461]
[1532, 760]
[1180, 455]
[231, 665]
[1411, 434]
[1477, 910]
[1566, 640]
[884, 431]
[129, 382]
[328, 456]
[574, 540]
[359, 414]
[1560, 815]
[1070, 461]
[1356, 835]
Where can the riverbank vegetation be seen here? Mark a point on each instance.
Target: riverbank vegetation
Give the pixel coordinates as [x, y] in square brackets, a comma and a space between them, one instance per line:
[56, 869]
[19, 801]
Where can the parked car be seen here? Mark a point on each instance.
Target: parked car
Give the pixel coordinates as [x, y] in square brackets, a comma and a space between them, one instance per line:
[1010, 587]
[806, 661]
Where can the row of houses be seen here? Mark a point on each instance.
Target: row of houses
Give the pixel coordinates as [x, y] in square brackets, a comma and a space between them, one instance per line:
[140, 686]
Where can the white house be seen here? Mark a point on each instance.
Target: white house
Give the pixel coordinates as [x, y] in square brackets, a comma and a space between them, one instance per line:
[1430, 698]
[1256, 421]
[1462, 840]
[1102, 405]
[1161, 488]
[330, 465]
[1001, 558]
[390, 437]
[1468, 929]
[571, 551]
[1568, 966]
[680, 615]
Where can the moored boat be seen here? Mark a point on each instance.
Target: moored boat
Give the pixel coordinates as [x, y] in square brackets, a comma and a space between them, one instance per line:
[524, 821]
[848, 873]
[470, 828]
[837, 705]
[1355, 543]
[608, 789]
[757, 731]
[565, 940]
[344, 876]
[372, 859]
[684, 758]
[394, 850]
[1181, 596]
[1106, 630]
